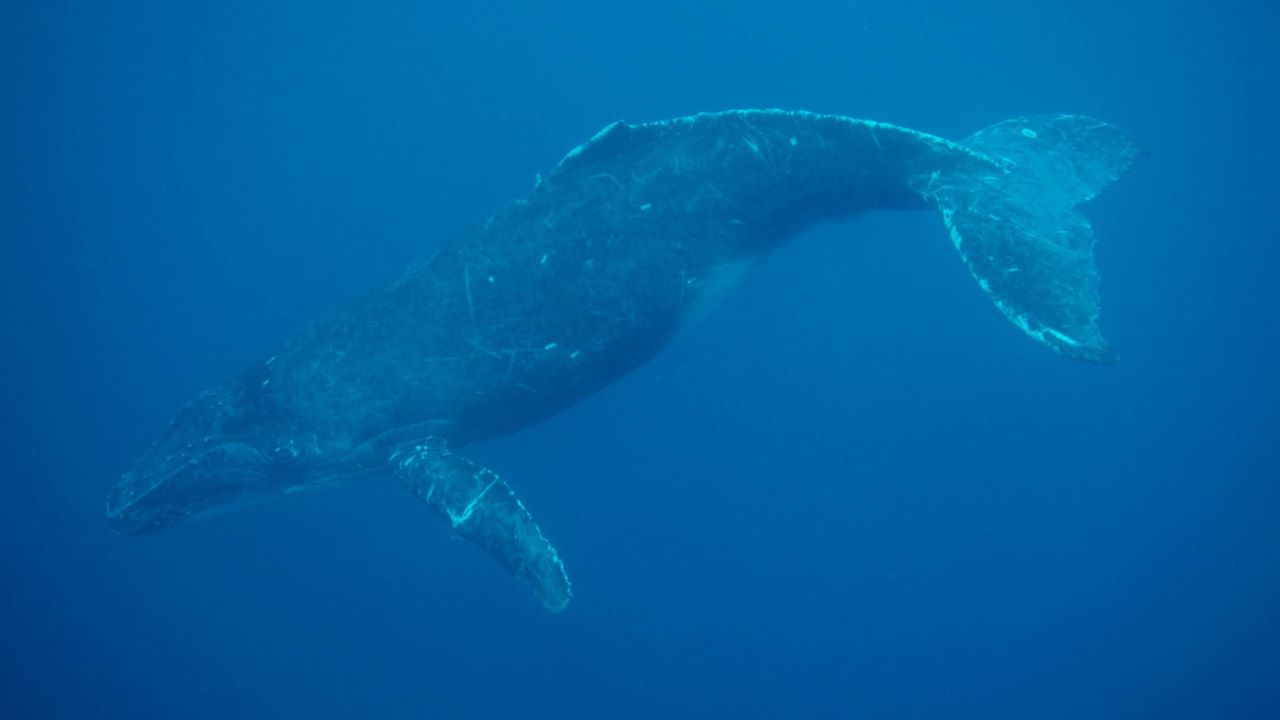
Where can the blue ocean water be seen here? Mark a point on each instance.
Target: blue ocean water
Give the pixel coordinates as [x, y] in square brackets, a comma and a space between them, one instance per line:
[853, 490]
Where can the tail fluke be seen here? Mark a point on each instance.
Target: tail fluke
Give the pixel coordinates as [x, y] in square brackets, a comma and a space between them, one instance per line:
[1018, 230]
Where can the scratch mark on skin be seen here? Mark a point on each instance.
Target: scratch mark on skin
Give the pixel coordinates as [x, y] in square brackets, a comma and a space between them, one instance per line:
[465, 515]
[466, 284]
[610, 177]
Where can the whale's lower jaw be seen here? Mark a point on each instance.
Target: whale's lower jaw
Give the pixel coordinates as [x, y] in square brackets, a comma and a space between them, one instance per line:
[148, 514]
[151, 498]
[166, 509]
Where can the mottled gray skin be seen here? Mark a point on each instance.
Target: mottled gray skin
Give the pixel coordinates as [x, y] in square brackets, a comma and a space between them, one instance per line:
[561, 293]
[555, 297]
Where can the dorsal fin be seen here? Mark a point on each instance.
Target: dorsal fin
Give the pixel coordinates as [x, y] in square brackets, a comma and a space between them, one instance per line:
[604, 145]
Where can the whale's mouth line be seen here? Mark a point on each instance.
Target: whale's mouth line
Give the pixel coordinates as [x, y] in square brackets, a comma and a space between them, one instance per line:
[138, 507]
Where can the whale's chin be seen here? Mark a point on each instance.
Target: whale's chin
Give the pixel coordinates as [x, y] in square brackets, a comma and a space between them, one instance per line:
[148, 500]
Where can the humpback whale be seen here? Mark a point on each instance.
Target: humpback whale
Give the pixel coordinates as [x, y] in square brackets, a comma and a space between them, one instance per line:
[560, 293]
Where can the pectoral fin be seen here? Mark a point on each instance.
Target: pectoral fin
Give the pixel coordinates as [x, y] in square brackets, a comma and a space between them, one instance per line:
[484, 509]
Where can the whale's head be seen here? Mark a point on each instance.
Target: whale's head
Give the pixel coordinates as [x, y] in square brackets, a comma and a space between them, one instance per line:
[212, 456]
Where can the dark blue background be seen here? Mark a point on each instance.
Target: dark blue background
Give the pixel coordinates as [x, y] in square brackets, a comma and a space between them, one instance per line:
[853, 490]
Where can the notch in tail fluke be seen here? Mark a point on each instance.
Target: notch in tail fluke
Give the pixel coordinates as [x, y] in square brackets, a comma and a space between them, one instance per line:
[1018, 230]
